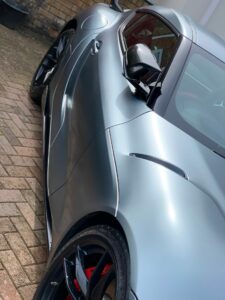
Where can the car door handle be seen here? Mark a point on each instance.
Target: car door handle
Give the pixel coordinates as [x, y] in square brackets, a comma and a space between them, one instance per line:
[96, 47]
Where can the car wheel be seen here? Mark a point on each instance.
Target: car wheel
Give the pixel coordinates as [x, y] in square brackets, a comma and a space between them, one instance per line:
[94, 265]
[48, 66]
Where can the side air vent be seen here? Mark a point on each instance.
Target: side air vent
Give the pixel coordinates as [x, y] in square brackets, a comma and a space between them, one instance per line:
[161, 162]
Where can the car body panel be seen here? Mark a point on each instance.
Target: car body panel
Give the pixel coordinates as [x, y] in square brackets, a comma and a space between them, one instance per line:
[109, 152]
[171, 219]
[93, 187]
[82, 112]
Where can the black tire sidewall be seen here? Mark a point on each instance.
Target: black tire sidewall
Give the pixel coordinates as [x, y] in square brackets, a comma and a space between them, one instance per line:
[104, 236]
[36, 91]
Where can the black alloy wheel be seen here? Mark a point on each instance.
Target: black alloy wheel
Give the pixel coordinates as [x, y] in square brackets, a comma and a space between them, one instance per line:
[94, 265]
[49, 65]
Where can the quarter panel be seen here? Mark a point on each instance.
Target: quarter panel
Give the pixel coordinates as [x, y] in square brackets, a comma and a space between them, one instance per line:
[174, 225]
[175, 234]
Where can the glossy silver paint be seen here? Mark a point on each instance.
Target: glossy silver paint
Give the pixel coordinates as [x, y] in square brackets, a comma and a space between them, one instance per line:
[109, 153]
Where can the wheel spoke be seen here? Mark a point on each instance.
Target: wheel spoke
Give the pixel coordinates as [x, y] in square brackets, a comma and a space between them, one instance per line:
[97, 281]
[50, 62]
[100, 288]
[96, 276]
[79, 270]
[69, 278]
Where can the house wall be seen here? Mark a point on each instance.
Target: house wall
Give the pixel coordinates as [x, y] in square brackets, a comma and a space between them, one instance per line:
[51, 15]
[208, 13]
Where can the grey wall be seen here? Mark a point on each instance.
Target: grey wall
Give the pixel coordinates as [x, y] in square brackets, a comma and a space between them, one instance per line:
[209, 13]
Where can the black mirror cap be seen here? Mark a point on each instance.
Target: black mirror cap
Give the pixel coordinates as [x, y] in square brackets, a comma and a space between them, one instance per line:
[140, 61]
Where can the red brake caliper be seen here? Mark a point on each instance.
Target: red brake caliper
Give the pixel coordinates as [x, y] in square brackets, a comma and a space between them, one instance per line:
[88, 272]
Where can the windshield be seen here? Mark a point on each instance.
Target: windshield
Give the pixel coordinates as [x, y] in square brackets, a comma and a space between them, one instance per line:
[198, 103]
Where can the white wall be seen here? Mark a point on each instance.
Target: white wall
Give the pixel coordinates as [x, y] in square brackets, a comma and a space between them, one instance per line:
[209, 13]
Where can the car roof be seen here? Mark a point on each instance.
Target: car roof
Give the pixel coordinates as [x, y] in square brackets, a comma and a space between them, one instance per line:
[188, 28]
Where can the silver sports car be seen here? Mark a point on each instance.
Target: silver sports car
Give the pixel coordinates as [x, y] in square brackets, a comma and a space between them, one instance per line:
[133, 104]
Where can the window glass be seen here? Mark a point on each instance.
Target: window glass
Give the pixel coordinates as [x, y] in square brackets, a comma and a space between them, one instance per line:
[198, 103]
[149, 30]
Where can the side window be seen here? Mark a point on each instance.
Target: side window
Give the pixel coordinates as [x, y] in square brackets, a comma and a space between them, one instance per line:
[198, 102]
[147, 29]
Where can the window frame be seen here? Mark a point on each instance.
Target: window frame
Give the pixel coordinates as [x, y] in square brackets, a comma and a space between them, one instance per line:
[179, 55]
[149, 12]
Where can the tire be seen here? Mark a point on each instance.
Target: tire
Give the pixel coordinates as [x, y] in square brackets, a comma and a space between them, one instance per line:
[102, 237]
[49, 63]
[36, 94]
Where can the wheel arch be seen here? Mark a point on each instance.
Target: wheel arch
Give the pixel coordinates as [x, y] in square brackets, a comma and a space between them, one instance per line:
[72, 24]
[93, 219]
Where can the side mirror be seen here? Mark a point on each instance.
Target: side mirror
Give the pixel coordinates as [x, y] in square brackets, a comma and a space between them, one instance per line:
[141, 65]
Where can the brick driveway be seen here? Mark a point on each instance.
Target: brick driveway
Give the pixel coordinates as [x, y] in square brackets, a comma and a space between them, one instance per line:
[22, 234]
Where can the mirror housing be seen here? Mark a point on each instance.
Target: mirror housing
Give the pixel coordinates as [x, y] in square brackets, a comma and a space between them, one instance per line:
[141, 62]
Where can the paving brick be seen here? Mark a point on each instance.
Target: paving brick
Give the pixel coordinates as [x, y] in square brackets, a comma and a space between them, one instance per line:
[4, 115]
[25, 231]
[32, 134]
[5, 160]
[30, 143]
[10, 136]
[35, 272]
[7, 101]
[28, 291]
[13, 267]
[14, 90]
[37, 173]
[8, 210]
[16, 131]
[19, 247]
[11, 196]
[39, 253]
[13, 183]
[5, 146]
[2, 171]
[35, 204]
[22, 161]
[39, 162]
[26, 151]
[36, 187]
[9, 95]
[21, 206]
[17, 121]
[30, 216]
[36, 113]
[34, 127]
[25, 110]
[18, 171]
[41, 235]
[15, 85]
[23, 118]
[7, 288]
[6, 225]
[7, 108]
[2, 124]
[3, 243]
[36, 120]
